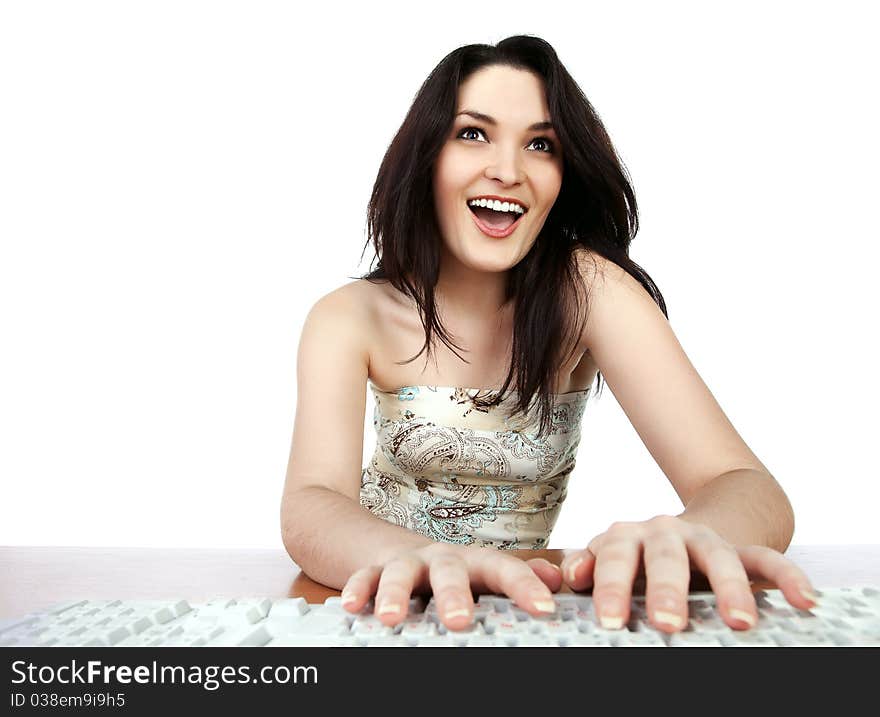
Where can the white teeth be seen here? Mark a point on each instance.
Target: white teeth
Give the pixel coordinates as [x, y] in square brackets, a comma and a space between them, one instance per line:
[497, 206]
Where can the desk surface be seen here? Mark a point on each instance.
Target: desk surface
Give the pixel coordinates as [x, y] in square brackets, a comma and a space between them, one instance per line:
[32, 578]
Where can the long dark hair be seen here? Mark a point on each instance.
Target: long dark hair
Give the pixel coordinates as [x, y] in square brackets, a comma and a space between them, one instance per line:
[595, 209]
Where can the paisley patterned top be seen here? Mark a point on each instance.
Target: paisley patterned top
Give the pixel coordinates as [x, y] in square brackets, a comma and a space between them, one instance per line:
[459, 473]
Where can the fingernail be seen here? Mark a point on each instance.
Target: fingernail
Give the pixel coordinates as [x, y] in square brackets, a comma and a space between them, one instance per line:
[812, 597]
[389, 607]
[456, 612]
[668, 618]
[610, 616]
[742, 615]
[571, 569]
[545, 605]
[611, 622]
[348, 597]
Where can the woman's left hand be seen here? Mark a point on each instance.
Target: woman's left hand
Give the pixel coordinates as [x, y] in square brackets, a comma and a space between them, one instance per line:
[611, 560]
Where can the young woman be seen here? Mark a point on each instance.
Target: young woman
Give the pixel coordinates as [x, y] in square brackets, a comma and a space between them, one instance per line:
[502, 220]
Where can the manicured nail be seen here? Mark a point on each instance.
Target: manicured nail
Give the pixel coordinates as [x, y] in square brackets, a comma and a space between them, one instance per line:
[545, 605]
[348, 597]
[389, 607]
[812, 597]
[456, 612]
[610, 614]
[611, 622]
[742, 615]
[571, 569]
[668, 618]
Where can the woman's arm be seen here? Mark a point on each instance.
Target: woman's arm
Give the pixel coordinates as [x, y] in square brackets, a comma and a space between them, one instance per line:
[737, 519]
[324, 528]
[718, 478]
[330, 536]
[745, 507]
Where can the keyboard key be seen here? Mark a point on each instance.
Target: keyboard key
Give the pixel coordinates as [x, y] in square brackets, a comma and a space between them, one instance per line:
[371, 625]
[747, 638]
[533, 640]
[694, 639]
[434, 641]
[554, 627]
[501, 624]
[587, 640]
[255, 636]
[639, 639]
[293, 608]
[414, 625]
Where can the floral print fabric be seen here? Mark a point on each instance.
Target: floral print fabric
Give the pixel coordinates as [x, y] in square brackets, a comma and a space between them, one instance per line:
[459, 473]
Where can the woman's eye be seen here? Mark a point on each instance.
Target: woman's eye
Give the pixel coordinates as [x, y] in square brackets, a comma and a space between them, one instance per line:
[547, 142]
[466, 130]
[469, 129]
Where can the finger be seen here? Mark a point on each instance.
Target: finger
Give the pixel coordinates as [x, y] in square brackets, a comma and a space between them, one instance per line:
[507, 575]
[395, 588]
[616, 565]
[450, 584]
[360, 588]
[773, 565]
[550, 574]
[721, 564]
[577, 569]
[667, 574]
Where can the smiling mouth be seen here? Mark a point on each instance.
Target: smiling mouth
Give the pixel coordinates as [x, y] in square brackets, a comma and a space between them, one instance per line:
[495, 224]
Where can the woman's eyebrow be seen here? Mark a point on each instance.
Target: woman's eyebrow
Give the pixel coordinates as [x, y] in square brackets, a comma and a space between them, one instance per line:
[491, 121]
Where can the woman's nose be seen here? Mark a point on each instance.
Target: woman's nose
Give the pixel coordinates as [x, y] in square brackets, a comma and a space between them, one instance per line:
[505, 167]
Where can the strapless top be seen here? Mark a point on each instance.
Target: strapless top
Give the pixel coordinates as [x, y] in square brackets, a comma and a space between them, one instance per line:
[460, 473]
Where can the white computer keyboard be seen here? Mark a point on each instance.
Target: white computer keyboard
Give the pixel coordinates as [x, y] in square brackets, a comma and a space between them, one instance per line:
[844, 617]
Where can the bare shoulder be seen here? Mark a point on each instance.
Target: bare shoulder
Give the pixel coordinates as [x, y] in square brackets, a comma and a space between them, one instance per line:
[615, 296]
[351, 302]
[601, 274]
[347, 311]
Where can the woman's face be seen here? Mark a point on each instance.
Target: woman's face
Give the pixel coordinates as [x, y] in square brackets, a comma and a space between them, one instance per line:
[506, 159]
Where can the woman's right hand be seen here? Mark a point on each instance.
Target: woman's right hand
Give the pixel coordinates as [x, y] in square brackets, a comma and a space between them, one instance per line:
[451, 572]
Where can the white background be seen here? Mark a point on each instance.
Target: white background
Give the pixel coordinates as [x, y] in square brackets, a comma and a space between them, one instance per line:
[181, 181]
